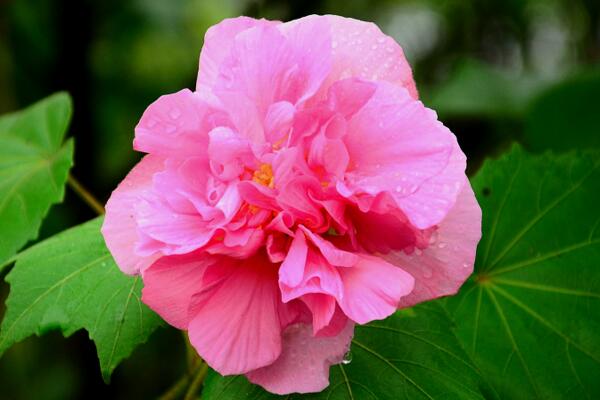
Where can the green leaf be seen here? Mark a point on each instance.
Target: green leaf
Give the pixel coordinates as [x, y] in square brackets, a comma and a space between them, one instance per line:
[410, 355]
[69, 282]
[530, 316]
[566, 116]
[34, 163]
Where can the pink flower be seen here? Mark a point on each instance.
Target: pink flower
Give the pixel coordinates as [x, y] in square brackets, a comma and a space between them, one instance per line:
[302, 188]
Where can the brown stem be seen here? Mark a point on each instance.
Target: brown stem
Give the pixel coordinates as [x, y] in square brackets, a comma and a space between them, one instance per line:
[85, 195]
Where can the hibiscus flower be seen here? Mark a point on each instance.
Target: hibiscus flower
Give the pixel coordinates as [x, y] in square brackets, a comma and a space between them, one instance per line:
[301, 189]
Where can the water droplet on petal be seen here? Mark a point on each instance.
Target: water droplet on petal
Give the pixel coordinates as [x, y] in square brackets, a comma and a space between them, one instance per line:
[347, 358]
[433, 238]
[170, 128]
[374, 47]
[441, 245]
[427, 272]
[175, 113]
[380, 40]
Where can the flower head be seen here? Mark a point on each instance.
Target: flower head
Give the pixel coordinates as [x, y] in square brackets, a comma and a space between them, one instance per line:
[300, 189]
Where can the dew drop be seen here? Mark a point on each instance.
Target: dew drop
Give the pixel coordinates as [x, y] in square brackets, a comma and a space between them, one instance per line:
[441, 245]
[380, 40]
[175, 113]
[171, 128]
[433, 238]
[374, 47]
[347, 358]
[466, 265]
[427, 272]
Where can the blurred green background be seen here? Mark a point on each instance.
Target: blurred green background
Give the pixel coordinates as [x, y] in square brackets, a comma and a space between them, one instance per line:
[496, 71]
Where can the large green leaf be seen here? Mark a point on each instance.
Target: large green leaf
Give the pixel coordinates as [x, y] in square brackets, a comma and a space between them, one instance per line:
[69, 282]
[566, 116]
[410, 355]
[34, 163]
[530, 316]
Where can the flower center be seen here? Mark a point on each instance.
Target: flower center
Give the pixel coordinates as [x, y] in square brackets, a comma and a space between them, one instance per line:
[264, 175]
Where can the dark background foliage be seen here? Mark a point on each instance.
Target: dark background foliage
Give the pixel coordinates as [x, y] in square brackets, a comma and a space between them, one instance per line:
[496, 71]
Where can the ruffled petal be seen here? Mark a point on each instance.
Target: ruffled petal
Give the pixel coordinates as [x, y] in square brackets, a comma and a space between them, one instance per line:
[322, 308]
[236, 326]
[303, 366]
[217, 44]
[171, 282]
[271, 64]
[177, 125]
[119, 227]
[441, 269]
[396, 145]
[361, 50]
[373, 289]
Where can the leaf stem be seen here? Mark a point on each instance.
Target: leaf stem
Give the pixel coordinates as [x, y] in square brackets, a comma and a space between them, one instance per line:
[177, 389]
[193, 360]
[197, 382]
[85, 195]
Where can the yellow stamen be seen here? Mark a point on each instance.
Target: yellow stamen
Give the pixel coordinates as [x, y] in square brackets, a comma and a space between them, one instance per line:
[264, 175]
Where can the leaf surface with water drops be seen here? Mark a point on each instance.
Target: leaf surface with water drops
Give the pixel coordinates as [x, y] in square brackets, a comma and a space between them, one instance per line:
[70, 282]
[410, 355]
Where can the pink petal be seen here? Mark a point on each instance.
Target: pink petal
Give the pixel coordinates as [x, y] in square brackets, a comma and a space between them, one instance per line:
[236, 326]
[170, 283]
[329, 154]
[373, 289]
[293, 197]
[228, 153]
[177, 125]
[396, 145]
[432, 201]
[333, 255]
[381, 233]
[347, 96]
[318, 277]
[304, 363]
[291, 270]
[361, 50]
[119, 227]
[217, 45]
[167, 230]
[267, 65]
[322, 308]
[278, 122]
[442, 268]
